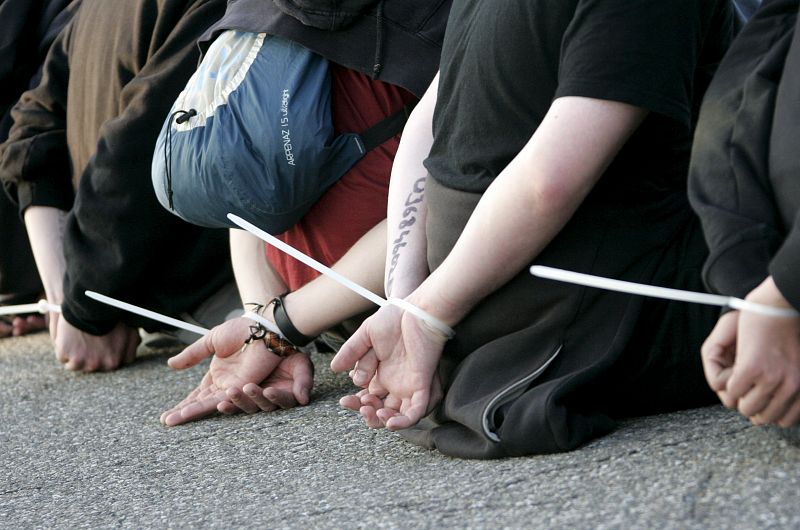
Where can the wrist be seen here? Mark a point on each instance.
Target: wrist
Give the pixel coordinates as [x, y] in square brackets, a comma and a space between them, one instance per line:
[437, 305]
[286, 325]
[767, 293]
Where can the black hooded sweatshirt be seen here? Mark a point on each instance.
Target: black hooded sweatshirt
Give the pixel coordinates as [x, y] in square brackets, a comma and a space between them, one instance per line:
[83, 140]
[744, 178]
[396, 41]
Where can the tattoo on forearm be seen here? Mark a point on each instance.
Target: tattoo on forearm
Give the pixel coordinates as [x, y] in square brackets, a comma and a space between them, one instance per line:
[61, 219]
[416, 196]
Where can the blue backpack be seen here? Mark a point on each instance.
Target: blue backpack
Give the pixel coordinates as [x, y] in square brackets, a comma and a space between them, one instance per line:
[252, 135]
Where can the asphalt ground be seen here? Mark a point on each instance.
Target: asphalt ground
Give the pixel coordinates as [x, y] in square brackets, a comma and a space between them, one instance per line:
[87, 451]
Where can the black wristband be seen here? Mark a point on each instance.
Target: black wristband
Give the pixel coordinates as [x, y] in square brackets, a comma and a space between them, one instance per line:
[285, 324]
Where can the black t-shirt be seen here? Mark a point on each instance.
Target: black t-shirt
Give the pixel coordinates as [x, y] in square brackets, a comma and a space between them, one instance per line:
[505, 61]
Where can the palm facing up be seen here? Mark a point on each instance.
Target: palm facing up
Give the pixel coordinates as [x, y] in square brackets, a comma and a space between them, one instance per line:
[232, 367]
[395, 357]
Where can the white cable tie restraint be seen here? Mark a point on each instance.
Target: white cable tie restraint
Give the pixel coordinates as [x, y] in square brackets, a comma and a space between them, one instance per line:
[264, 322]
[424, 316]
[147, 313]
[332, 274]
[42, 306]
[666, 293]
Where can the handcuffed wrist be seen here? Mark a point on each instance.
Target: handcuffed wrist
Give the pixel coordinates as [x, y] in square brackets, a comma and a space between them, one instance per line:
[273, 342]
[426, 318]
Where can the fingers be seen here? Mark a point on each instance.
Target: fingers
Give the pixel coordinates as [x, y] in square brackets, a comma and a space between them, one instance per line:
[193, 353]
[718, 352]
[76, 361]
[370, 417]
[5, 329]
[750, 388]
[200, 408]
[192, 395]
[61, 353]
[755, 400]
[281, 398]
[256, 394]
[352, 402]
[228, 408]
[353, 350]
[133, 343]
[792, 416]
[303, 374]
[785, 396]
[28, 324]
[365, 369]
[241, 400]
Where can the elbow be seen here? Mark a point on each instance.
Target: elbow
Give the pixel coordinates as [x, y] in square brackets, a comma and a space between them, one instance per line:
[556, 194]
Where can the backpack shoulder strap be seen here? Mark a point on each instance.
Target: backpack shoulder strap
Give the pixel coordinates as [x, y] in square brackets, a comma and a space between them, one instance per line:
[386, 128]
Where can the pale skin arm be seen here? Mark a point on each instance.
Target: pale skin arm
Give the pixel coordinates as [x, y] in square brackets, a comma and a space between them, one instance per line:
[256, 379]
[542, 187]
[752, 361]
[76, 349]
[406, 253]
[406, 262]
[45, 227]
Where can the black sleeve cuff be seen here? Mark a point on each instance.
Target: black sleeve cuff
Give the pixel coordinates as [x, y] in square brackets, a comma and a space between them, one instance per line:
[738, 268]
[55, 193]
[784, 266]
[75, 315]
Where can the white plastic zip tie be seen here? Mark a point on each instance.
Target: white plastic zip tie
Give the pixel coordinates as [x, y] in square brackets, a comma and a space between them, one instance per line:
[599, 282]
[332, 274]
[147, 313]
[427, 318]
[264, 322]
[43, 306]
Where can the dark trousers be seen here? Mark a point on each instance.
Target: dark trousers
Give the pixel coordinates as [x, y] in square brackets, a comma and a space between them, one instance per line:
[541, 366]
[19, 278]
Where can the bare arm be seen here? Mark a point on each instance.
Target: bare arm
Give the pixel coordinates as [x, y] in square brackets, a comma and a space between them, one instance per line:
[529, 202]
[76, 349]
[521, 212]
[46, 232]
[323, 303]
[256, 279]
[406, 263]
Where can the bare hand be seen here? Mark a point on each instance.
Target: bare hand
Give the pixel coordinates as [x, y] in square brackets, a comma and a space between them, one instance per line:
[287, 386]
[762, 378]
[232, 368]
[22, 325]
[79, 350]
[395, 357]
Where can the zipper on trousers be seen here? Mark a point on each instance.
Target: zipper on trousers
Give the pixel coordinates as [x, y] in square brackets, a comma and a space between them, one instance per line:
[509, 394]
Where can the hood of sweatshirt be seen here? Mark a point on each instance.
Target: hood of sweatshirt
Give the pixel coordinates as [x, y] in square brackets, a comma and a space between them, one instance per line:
[331, 15]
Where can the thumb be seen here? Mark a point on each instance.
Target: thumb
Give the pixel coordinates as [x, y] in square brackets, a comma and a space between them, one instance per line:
[303, 375]
[194, 353]
[354, 349]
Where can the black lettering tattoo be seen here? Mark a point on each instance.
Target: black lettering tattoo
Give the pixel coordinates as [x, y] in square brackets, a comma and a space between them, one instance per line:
[416, 196]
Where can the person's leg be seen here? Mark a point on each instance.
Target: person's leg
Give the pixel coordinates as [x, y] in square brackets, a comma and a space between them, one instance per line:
[526, 371]
[661, 367]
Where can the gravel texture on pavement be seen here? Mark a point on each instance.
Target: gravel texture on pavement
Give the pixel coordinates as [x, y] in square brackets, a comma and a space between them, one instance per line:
[87, 451]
